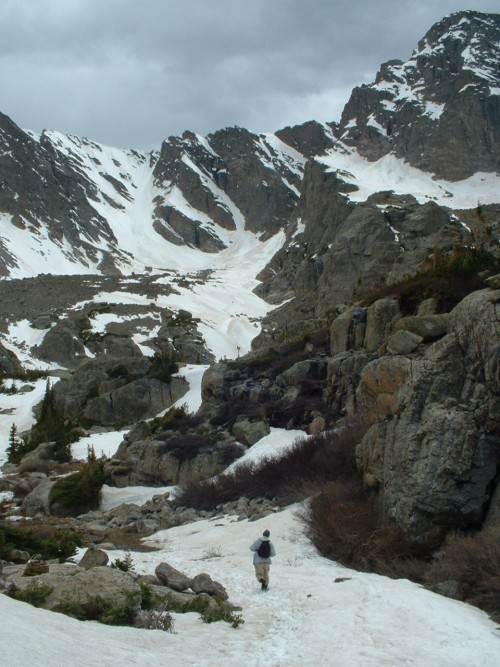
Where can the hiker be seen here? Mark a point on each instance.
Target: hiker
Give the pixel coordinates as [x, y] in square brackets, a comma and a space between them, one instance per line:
[263, 549]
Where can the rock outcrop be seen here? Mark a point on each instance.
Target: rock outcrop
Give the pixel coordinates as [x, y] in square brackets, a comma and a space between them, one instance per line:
[431, 453]
[431, 109]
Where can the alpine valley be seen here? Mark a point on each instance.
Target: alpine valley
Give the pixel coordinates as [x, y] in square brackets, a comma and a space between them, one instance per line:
[189, 304]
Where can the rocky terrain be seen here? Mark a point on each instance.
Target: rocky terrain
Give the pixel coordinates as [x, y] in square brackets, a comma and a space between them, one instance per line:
[381, 302]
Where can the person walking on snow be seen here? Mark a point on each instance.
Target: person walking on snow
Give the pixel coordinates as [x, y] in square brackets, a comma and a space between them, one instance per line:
[263, 549]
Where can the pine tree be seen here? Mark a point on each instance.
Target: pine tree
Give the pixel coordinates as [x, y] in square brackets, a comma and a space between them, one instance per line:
[14, 450]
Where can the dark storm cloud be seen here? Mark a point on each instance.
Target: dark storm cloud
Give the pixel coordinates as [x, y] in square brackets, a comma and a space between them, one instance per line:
[130, 74]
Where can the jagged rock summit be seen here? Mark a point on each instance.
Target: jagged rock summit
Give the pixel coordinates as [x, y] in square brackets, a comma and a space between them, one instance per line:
[71, 205]
[440, 110]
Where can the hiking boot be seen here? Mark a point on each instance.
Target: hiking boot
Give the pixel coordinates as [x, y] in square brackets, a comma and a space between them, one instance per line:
[264, 585]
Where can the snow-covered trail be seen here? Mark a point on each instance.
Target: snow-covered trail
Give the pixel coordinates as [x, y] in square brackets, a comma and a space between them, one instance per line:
[305, 619]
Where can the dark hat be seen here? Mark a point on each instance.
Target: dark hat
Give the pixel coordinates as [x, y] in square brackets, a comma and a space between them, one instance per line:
[266, 533]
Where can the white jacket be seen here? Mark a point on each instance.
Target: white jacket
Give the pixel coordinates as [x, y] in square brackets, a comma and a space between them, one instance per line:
[253, 547]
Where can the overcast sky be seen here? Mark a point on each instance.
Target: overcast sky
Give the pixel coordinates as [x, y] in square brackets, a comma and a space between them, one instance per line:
[128, 73]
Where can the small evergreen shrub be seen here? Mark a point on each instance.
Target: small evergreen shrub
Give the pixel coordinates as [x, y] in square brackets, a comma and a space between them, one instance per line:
[149, 599]
[125, 565]
[176, 419]
[102, 610]
[211, 609]
[35, 593]
[81, 491]
[162, 368]
[49, 427]
[48, 542]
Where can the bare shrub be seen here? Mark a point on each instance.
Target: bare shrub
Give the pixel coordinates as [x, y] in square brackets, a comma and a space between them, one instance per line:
[154, 619]
[213, 552]
[472, 561]
[323, 457]
[343, 525]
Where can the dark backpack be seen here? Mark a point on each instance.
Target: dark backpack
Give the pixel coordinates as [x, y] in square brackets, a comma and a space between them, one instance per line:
[264, 549]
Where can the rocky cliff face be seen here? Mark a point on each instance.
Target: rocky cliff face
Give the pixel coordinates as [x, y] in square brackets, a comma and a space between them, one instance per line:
[433, 108]
[232, 177]
[352, 232]
[427, 385]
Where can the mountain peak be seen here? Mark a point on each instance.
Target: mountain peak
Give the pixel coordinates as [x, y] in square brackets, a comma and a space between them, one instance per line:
[432, 108]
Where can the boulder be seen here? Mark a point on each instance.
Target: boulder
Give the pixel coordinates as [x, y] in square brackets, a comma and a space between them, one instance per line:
[35, 566]
[428, 327]
[213, 383]
[203, 583]
[304, 371]
[383, 387]
[77, 587]
[172, 578]
[403, 342]
[94, 557]
[62, 345]
[38, 458]
[344, 372]
[249, 432]
[140, 399]
[9, 363]
[347, 331]
[38, 500]
[19, 556]
[379, 318]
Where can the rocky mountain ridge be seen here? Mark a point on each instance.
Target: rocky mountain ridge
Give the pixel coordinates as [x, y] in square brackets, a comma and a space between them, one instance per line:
[70, 205]
[420, 368]
[437, 105]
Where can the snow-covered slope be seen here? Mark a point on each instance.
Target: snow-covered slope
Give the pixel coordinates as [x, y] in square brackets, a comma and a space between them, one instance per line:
[72, 206]
[305, 619]
[390, 173]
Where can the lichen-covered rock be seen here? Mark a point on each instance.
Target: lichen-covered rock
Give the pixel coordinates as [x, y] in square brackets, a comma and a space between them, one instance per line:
[384, 387]
[379, 318]
[203, 583]
[37, 501]
[249, 432]
[428, 327]
[9, 363]
[172, 578]
[432, 449]
[72, 586]
[94, 557]
[139, 399]
[347, 331]
[403, 342]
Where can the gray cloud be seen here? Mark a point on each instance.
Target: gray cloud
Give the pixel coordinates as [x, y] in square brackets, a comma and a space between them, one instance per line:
[130, 74]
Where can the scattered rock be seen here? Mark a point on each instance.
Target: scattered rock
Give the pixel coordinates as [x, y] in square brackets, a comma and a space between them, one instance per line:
[94, 557]
[203, 583]
[172, 578]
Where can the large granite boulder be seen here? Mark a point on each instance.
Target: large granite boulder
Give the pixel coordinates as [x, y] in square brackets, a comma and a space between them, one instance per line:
[72, 585]
[172, 578]
[432, 449]
[140, 399]
[9, 363]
